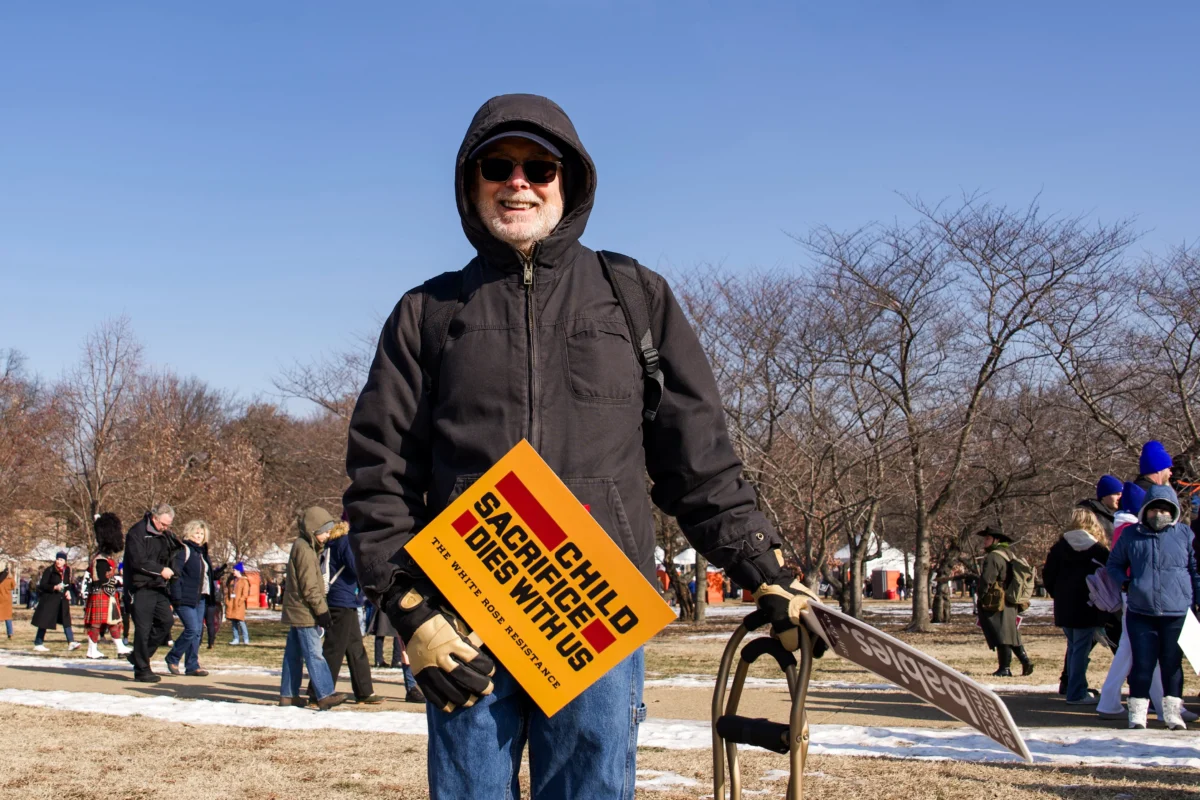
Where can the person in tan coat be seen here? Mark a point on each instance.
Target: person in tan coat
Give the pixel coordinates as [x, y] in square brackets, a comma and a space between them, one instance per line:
[7, 582]
[237, 595]
[307, 612]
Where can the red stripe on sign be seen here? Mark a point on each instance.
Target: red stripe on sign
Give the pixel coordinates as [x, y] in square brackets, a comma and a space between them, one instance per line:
[465, 524]
[524, 503]
[598, 636]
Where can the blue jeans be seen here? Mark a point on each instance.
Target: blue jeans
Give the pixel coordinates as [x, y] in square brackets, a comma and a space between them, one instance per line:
[188, 644]
[303, 649]
[1155, 642]
[40, 636]
[587, 749]
[239, 626]
[8, 627]
[1079, 654]
[410, 682]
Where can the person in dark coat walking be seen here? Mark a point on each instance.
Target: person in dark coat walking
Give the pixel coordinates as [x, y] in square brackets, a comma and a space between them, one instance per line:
[191, 592]
[213, 610]
[54, 603]
[999, 624]
[1076, 555]
[150, 549]
[344, 639]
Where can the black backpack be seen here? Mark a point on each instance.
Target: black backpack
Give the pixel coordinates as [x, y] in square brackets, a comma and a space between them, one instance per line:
[445, 294]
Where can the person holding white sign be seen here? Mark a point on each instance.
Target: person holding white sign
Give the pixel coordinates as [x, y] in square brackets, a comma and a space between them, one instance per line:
[1164, 583]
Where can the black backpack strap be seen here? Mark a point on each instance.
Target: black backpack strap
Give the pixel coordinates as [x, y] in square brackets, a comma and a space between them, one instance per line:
[634, 298]
[443, 296]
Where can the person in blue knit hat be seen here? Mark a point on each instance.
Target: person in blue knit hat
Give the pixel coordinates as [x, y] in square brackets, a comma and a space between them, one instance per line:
[1154, 465]
[1108, 498]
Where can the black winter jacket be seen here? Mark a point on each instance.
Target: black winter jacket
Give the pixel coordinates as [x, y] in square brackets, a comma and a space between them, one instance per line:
[1071, 559]
[541, 351]
[54, 607]
[146, 554]
[193, 576]
[1103, 513]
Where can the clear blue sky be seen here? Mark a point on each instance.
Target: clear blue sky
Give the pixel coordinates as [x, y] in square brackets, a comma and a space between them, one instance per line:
[256, 182]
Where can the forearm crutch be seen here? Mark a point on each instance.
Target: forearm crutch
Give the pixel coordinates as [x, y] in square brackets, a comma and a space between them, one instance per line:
[729, 730]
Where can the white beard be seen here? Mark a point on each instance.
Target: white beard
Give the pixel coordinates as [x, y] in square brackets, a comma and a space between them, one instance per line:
[525, 233]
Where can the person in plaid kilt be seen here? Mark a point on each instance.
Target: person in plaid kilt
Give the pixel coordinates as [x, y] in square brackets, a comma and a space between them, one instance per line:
[104, 597]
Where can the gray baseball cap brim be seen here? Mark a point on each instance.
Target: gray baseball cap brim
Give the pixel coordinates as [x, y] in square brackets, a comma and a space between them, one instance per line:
[533, 137]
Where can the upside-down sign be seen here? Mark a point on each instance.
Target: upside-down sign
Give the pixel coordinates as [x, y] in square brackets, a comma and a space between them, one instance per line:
[538, 579]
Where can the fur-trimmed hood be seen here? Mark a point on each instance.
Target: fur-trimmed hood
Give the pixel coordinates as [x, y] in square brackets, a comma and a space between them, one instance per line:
[338, 531]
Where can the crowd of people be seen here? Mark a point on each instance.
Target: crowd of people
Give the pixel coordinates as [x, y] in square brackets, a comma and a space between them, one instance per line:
[1125, 575]
[147, 577]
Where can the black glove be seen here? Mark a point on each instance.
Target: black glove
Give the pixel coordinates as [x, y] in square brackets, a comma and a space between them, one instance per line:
[325, 620]
[446, 657]
[781, 597]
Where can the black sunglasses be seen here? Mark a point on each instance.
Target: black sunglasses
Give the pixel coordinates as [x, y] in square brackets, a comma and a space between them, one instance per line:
[498, 170]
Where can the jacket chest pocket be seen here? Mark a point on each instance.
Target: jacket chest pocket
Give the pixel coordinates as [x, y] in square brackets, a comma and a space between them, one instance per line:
[599, 361]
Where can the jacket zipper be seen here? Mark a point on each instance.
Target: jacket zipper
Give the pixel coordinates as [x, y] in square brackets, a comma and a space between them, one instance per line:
[531, 320]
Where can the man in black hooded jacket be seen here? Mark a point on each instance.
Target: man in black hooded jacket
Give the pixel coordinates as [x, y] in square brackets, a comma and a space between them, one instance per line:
[531, 343]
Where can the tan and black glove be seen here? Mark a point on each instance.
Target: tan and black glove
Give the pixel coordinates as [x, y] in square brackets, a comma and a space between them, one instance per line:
[782, 598]
[446, 657]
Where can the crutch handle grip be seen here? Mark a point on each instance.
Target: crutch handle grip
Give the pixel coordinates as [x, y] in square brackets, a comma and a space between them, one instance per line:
[768, 647]
[758, 732]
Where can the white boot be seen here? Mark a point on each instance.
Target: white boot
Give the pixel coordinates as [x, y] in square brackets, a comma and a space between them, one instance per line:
[122, 648]
[94, 650]
[1138, 706]
[1171, 717]
[41, 648]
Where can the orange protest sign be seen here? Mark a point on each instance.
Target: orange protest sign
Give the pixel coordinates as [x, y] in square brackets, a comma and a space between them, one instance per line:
[526, 566]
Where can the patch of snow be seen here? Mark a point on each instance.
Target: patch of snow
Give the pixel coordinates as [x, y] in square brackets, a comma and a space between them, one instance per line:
[737, 610]
[9, 658]
[264, 614]
[1039, 607]
[1065, 746]
[779, 775]
[211, 712]
[657, 780]
[691, 681]
[724, 636]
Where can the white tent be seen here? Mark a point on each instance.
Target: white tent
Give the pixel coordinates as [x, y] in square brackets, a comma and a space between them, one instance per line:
[686, 559]
[46, 550]
[275, 556]
[890, 558]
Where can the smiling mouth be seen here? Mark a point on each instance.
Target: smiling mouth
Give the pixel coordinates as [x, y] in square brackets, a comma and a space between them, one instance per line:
[516, 205]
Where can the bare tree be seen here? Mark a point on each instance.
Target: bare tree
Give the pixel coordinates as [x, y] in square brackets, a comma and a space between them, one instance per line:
[953, 303]
[97, 405]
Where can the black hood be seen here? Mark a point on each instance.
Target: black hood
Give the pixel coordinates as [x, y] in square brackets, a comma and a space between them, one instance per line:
[543, 116]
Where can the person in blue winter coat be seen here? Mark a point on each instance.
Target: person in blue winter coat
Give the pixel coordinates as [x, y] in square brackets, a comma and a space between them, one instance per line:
[1163, 584]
